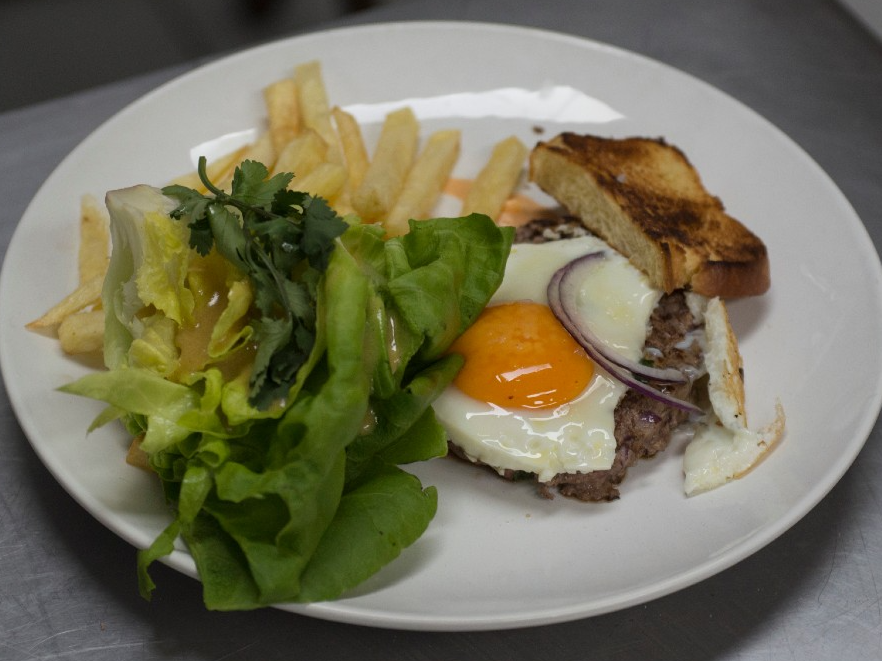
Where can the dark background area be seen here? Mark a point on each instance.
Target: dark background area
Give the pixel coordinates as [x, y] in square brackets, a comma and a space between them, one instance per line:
[49, 48]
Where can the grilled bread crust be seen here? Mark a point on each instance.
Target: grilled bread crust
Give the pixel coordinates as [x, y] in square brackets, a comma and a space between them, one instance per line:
[644, 197]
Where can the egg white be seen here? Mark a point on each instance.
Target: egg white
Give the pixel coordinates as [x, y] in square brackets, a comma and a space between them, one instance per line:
[616, 300]
[723, 448]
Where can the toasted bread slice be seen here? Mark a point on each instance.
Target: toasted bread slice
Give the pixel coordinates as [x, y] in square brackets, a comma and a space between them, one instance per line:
[643, 197]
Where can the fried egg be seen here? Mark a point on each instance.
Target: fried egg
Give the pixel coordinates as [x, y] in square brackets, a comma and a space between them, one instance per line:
[723, 447]
[528, 398]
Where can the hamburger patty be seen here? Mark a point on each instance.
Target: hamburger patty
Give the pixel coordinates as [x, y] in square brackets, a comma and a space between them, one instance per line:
[643, 425]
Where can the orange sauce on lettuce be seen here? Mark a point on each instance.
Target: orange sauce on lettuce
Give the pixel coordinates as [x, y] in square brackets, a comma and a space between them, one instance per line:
[207, 279]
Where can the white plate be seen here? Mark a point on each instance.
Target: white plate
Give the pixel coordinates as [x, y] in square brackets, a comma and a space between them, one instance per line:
[498, 556]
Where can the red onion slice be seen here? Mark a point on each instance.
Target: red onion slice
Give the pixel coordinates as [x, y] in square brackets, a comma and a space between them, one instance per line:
[569, 282]
[562, 291]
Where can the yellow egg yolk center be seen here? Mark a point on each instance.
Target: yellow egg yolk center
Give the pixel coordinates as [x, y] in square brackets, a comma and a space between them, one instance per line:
[519, 355]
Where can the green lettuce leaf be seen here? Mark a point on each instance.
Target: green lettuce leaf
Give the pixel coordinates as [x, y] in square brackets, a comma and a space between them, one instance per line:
[374, 523]
[147, 267]
[397, 417]
[305, 499]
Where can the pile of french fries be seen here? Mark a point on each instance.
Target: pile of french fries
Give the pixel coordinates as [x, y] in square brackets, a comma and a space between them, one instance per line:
[324, 147]
[78, 319]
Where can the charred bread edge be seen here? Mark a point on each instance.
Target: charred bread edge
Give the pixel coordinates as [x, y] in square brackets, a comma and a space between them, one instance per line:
[670, 264]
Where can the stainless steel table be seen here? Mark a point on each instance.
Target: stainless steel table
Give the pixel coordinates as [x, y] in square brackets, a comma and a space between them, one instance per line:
[67, 586]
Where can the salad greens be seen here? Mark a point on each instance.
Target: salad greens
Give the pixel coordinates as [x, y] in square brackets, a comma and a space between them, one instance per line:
[268, 232]
[278, 365]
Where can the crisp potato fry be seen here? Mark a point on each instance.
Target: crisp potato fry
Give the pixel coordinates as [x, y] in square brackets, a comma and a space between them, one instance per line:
[342, 204]
[325, 180]
[497, 180]
[283, 112]
[88, 293]
[352, 143]
[94, 249]
[82, 332]
[190, 180]
[261, 150]
[315, 111]
[392, 160]
[216, 170]
[136, 456]
[301, 155]
[425, 181]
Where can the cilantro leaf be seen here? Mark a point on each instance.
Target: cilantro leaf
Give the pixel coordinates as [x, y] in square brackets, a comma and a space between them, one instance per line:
[251, 186]
[271, 233]
[201, 237]
[321, 225]
[224, 227]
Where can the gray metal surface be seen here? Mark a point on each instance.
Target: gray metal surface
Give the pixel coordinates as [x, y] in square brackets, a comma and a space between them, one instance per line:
[67, 585]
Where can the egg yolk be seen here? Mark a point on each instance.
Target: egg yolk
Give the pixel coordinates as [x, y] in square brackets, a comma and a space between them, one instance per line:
[519, 355]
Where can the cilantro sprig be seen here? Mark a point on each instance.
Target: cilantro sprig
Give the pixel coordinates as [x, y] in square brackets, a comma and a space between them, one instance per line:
[282, 239]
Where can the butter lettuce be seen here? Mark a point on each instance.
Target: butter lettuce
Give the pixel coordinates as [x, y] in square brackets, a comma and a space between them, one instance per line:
[147, 268]
[305, 499]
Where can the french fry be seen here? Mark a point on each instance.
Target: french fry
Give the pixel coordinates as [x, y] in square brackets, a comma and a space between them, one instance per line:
[261, 150]
[301, 155]
[283, 112]
[352, 143]
[342, 204]
[216, 170]
[82, 332]
[94, 249]
[497, 180]
[325, 180]
[425, 181]
[87, 294]
[392, 160]
[136, 456]
[315, 111]
[190, 180]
